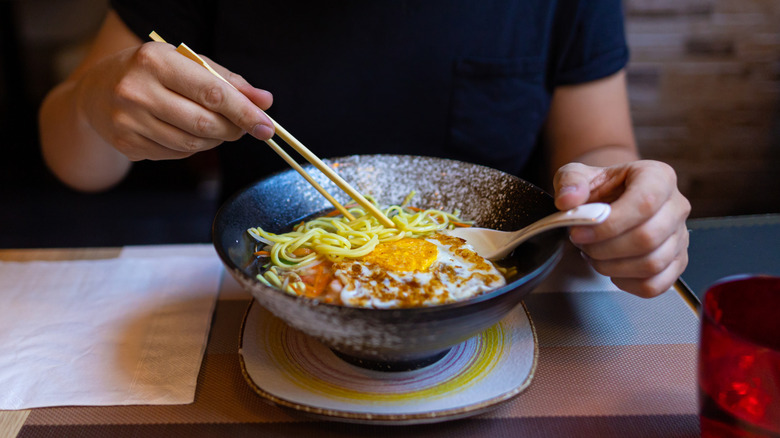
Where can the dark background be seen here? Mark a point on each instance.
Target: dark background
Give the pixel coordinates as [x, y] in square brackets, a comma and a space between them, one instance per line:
[704, 85]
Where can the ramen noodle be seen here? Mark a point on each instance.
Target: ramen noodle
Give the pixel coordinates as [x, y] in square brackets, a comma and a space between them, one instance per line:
[362, 263]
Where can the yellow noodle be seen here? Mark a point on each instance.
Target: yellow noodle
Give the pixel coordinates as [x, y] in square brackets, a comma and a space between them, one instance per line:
[408, 198]
[335, 238]
[273, 278]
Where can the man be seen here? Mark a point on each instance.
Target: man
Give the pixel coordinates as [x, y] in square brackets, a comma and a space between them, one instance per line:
[477, 81]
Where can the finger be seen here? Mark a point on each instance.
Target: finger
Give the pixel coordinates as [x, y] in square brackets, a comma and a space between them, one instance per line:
[141, 135]
[642, 266]
[656, 285]
[137, 147]
[262, 98]
[193, 120]
[572, 185]
[176, 139]
[642, 239]
[196, 83]
[647, 187]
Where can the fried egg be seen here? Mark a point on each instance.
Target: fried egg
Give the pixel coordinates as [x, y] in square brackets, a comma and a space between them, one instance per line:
[414, 272]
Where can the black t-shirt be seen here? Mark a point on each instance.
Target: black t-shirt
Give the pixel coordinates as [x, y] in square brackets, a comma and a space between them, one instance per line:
[463, 79]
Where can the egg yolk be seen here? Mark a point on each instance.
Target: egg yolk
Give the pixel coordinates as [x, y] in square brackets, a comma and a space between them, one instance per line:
[407, 254]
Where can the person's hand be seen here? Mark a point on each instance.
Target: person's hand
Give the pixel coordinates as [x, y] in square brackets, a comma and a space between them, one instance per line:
[150, 102]
[643, 245]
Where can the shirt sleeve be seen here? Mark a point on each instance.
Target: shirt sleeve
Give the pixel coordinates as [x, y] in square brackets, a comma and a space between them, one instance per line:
[591, 42]
[177, 21]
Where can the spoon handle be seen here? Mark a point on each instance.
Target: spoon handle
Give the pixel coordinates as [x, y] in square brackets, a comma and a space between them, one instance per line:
[587, 214]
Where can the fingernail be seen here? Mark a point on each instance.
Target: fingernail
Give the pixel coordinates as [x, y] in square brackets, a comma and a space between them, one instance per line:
[582, 235]
[567, 189]
[263, 132]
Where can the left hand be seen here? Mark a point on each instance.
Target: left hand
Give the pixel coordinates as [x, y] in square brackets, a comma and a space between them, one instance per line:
[643, 245]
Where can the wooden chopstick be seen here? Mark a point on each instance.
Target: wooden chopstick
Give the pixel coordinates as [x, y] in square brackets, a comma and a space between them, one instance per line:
[301, 149]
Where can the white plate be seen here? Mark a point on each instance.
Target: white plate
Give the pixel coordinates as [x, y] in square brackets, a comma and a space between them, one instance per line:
[294, 370]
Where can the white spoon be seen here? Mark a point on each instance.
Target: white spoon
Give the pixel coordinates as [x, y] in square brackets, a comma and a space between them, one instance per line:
[495, 245]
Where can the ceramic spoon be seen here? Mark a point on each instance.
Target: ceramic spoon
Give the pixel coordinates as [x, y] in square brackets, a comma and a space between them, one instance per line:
[495, 245]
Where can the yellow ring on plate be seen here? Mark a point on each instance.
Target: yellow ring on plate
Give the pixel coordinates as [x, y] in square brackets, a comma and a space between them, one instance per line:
[491, 342]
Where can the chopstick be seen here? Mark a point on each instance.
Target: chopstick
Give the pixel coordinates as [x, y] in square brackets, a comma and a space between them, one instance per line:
[301, 149]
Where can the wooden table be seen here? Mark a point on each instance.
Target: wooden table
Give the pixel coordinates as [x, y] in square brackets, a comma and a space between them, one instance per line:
[610, 364]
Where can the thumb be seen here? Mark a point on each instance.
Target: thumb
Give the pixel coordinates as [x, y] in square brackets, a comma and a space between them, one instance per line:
[572, 185]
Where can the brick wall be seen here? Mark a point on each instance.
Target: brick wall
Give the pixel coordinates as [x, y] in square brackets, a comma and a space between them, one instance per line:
[704, 84]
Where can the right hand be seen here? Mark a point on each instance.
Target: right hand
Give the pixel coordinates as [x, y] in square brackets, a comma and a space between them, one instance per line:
[151, 102]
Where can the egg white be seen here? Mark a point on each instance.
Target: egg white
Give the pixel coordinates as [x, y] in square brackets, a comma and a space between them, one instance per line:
[458, 273]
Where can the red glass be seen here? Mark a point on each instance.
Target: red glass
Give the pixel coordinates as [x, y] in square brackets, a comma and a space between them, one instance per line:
[739, 358]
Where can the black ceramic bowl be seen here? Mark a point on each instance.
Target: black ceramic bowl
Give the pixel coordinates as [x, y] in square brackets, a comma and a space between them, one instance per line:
[392, 339]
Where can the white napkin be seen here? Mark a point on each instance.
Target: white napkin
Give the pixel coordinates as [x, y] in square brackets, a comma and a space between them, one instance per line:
[130, 330]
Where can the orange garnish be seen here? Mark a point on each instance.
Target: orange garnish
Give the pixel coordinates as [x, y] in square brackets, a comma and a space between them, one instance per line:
[300, 252]
[317, 280]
